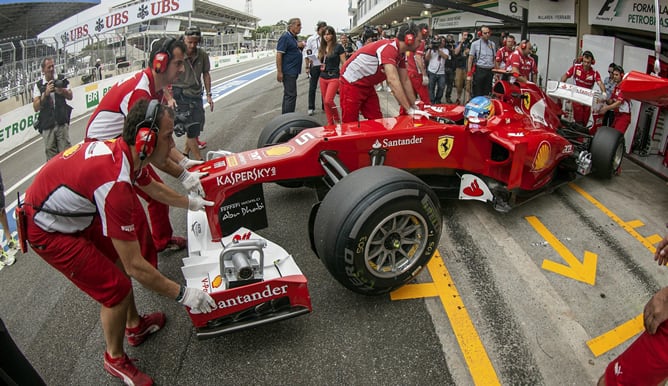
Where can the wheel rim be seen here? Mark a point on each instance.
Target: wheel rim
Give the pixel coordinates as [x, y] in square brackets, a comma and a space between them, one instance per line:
[619, 155]
[395, 244]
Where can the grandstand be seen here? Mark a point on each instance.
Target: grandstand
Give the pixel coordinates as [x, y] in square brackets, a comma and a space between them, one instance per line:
[76, 39]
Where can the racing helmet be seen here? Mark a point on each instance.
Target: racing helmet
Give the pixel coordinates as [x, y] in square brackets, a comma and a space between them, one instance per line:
[480, 107]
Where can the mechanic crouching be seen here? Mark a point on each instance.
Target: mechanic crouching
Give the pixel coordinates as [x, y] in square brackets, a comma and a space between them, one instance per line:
[82, 224]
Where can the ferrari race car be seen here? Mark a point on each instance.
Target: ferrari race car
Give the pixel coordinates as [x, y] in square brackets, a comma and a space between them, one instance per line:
[379, 184]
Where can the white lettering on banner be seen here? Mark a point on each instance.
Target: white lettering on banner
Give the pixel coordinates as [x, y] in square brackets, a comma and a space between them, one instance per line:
[246, 175]
[268, 293]
[106, 21]
[414, 140]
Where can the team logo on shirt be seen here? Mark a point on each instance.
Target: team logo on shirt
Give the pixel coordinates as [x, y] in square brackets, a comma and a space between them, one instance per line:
[67, 153]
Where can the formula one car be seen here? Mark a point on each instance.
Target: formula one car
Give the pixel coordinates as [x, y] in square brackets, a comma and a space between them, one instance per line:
[380, 184]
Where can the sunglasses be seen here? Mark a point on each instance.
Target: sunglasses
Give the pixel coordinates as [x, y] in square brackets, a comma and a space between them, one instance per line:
[193, 33]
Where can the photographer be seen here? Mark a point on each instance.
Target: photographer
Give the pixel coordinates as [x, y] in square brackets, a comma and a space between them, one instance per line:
[460, 58]
[49, 95]
[449, 68]
[436, 57]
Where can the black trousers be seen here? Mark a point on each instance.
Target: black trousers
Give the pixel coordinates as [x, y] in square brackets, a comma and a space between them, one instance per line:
[289, 93]
[14, 367]
[482, 82]
[312, 86]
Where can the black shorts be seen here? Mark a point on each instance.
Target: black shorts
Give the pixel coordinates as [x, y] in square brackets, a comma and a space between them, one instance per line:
[2, 194]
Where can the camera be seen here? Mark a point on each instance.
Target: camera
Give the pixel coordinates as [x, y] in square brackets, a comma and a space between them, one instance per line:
[61, 83]
[435, 44]
[181, 124]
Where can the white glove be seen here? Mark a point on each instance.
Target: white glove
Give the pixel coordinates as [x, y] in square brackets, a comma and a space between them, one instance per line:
[425, 80]
[190, 181]
[604, 96]
[187, 163]
[414, 111]
[197, 203]
[199, 301]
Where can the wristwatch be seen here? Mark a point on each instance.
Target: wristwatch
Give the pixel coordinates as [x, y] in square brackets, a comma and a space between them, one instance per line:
[208, 94]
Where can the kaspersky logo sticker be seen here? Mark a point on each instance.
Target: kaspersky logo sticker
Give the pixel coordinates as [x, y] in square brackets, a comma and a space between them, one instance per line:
[445, 144]
[609, 10]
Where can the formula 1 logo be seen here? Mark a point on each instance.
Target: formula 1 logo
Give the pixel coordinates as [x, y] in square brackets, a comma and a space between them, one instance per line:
[610, 9]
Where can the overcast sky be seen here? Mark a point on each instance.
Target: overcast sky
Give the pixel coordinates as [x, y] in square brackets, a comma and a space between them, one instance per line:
[334, 12]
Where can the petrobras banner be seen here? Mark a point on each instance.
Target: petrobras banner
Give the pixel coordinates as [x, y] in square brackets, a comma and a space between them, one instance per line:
[633, 14]
[541, 11]
[109, 20]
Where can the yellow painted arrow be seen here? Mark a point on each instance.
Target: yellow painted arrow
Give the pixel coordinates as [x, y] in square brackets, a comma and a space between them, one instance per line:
[584, 271]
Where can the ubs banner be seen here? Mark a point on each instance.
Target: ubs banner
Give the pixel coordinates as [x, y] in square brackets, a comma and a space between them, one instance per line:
[634, 14]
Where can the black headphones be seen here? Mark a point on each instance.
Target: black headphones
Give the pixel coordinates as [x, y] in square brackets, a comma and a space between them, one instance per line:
[162, 57]
[147, 131]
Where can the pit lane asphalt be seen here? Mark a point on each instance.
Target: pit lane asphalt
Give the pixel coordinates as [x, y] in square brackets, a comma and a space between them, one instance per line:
[533, 324]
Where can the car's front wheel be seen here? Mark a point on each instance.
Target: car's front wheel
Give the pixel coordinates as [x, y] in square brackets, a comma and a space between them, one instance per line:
[377, 229]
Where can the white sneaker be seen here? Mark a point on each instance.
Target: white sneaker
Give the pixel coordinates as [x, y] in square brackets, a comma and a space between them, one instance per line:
[12, 244]
[310, 111]
[6, 259]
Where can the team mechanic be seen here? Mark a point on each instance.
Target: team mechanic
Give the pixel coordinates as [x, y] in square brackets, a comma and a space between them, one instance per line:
[372, 64]
[187, 89]
[166, 63]
[82, 224]
[584, 76]
[417, 72]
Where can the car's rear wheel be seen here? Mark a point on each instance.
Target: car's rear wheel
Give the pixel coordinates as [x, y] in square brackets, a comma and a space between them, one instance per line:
[282, 129]
[377, 228]
[607, 152]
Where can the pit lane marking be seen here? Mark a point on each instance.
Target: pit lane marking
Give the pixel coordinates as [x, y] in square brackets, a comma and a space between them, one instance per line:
[627, 330]
[475, 355]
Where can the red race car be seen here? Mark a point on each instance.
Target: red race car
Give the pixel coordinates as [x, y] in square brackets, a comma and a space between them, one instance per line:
[380, 183]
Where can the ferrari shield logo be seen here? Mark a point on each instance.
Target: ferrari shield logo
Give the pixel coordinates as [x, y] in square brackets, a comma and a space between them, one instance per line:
[527, 100]
[445, 144]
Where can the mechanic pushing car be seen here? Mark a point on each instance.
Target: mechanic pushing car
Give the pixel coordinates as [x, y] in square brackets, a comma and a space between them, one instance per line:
[83, 225]
[372, 64]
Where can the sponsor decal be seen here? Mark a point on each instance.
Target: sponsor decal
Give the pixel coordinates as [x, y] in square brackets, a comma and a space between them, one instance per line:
[67, 153]
[518, 110]
[217, 281]
[251, 175]
[445, 145]
[255, 155]
[269, 292]
[303, 138]
[220, 164]
[542, 158]
[205, 285]
[196, 228]
[242, 159]
[526, 100]
[385, 142]
[473, 188]
[516, 134]
[231, 161]
[279, 150]
[241, 236]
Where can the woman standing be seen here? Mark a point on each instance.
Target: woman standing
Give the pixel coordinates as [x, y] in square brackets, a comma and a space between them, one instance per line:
[331, 55]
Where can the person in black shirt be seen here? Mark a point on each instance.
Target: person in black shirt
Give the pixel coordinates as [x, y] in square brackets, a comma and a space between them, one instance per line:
[331, 55]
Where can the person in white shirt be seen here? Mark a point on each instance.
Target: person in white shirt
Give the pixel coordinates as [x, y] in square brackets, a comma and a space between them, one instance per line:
[436, 56]
[313, 63]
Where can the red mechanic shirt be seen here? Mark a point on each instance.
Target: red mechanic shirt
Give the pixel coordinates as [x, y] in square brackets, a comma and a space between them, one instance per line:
[625, 107]
[583, 78]
[365, 67]
[411, 66]
[102, 186]
[502, 56]
[523, 63]
[109, 116]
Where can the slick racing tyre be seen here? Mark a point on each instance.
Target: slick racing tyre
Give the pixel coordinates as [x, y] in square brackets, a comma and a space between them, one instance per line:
[607, 152]
[282, 129]
[377, 228]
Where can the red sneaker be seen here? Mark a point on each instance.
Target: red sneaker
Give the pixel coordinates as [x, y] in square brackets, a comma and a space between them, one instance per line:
[148, 324]
[201, 144]
[124, 369]
[176, 243]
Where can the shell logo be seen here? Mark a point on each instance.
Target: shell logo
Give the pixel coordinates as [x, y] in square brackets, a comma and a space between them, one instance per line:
[70, 151]
[542, 158]
[217, 281]
[277, 151]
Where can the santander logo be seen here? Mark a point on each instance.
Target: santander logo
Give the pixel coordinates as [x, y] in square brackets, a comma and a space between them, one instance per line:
[473, 189]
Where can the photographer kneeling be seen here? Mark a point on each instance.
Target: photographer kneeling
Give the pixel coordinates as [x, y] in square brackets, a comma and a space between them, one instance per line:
[49, 95]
